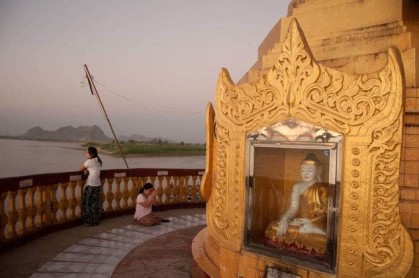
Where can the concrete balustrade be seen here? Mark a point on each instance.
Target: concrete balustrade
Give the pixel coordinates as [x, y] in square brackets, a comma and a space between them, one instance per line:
[33, 204]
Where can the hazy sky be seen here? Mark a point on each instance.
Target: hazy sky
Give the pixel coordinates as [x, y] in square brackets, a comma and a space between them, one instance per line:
[157, 60]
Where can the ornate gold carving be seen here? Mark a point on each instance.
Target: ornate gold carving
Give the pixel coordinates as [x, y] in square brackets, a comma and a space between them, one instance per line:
[206, 184]
[367, 109]
[385, 236]
[219, 196]
[298, 87]
[239, 104]
[235, 191]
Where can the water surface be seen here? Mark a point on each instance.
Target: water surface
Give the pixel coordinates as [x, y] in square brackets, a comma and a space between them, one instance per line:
[25, 157]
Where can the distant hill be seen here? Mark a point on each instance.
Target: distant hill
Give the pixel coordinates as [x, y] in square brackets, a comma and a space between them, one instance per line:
[67, 133]
[80, 134]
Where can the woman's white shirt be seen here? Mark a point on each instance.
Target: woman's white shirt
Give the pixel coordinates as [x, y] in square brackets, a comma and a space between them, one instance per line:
[93, 166]
[140, 210]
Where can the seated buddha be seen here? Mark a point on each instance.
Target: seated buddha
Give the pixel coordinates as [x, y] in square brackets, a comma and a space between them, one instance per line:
[302, 229]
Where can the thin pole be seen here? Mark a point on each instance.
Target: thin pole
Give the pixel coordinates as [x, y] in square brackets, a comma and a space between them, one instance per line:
[94, 91]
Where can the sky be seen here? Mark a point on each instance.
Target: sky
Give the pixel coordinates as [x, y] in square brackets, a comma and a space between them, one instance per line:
[155, 63]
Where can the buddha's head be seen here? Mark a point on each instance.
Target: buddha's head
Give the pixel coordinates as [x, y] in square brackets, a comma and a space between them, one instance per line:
[310, 168]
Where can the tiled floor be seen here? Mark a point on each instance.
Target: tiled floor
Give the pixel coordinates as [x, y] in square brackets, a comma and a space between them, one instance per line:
[99, 255]
[168, 255]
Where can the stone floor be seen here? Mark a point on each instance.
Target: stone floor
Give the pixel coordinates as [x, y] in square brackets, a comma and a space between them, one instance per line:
[118, 248]
[169, 255]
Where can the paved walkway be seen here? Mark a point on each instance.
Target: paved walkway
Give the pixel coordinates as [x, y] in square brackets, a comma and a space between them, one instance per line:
[168, 256]
[116, 248]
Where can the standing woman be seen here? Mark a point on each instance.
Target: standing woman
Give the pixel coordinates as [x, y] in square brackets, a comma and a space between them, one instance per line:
[91, 205]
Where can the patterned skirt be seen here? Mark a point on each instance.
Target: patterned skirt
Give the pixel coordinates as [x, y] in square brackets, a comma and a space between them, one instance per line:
[150, 219]
[91, 208]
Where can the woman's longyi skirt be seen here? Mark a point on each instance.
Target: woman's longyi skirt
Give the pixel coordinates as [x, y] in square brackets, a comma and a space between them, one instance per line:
[150, 219]
[91, 205]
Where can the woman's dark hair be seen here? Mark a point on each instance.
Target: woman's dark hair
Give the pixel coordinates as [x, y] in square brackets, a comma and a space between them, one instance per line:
[93, 154]
[146, 186]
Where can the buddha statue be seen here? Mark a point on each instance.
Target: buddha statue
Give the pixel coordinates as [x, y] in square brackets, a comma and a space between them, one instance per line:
[302, 228]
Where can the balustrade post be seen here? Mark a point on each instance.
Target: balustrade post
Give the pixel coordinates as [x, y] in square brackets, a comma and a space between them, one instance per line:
[185, 189]
[39, 206]
[46, 206]
[176, 190]
[49, 202]
[125, 193]
[134, 191]
[78, 196]
[143, 181]
[159, 189]
[194, 189]
[117, 194]
[72, 202]
[31, 210]
[53, 203]
[3, 216]
[102, 196]
[152, 179]
[168, 191]
[62, 203]
[109, 196]
[11, 215]
[21, 212]
[181, 189]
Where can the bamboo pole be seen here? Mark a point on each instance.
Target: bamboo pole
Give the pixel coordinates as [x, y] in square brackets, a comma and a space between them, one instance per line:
[94, 91]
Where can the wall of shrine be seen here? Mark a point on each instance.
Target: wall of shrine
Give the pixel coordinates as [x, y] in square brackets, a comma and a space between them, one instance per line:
[353, 36]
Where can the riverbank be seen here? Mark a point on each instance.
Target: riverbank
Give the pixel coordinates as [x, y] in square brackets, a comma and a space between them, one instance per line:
[130, 148]
[134, 148]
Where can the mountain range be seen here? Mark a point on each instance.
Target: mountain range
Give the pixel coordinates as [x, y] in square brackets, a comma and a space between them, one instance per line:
[81, 133]
[67, 133]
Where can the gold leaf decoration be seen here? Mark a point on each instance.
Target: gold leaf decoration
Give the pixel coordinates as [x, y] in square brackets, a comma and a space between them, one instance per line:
[366, 109]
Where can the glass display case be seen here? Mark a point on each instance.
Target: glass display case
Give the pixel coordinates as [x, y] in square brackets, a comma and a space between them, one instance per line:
[292, 193]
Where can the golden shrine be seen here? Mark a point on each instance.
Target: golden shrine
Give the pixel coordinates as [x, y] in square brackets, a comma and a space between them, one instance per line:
[293, 124]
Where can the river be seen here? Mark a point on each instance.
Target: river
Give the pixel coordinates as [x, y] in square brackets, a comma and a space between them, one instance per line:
[24, 157]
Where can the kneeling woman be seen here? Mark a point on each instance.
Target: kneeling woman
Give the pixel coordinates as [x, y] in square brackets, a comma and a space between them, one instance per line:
[145, 199]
